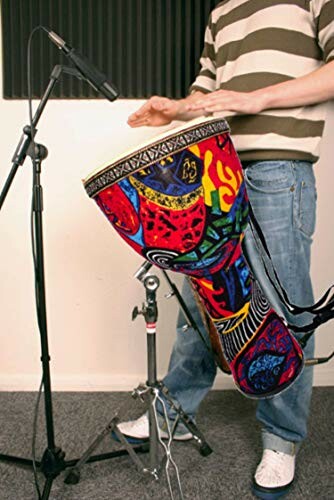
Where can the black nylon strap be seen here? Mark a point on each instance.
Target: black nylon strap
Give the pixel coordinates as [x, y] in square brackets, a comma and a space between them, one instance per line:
[321, 306]
[322, 310]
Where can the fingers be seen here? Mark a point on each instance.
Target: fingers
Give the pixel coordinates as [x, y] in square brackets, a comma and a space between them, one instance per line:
[216, 101]
[138, 118]
[153, 104]
[160, 103]
[140, 113]
[138, 123]
[208, 107]
[203, 104]
[196, 106]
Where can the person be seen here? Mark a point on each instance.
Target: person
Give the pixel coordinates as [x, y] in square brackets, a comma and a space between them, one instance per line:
[268, 68]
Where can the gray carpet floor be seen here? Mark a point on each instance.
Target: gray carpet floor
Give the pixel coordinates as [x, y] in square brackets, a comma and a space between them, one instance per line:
[226, 418]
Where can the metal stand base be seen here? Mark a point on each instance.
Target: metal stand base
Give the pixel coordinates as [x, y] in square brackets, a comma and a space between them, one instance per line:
[151, 392]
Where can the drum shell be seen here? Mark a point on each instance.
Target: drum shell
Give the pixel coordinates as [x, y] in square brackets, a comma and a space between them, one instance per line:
[181, 203]
[108, 185]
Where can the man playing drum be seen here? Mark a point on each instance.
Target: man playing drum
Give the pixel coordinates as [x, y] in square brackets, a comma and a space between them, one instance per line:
[268, 68]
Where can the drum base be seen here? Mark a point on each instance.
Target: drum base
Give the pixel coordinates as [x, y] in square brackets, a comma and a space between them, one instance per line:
[150, 394]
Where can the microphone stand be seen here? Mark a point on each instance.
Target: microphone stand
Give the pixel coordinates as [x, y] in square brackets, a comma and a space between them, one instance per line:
[53, 459]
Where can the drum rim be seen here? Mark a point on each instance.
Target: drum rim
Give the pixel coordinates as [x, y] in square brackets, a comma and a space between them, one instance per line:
[170, 134]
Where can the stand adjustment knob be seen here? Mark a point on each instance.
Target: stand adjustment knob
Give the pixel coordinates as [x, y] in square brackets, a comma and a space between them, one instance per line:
[136, 312]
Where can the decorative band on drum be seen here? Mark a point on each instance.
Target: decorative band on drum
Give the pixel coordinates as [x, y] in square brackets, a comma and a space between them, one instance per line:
[154, 153]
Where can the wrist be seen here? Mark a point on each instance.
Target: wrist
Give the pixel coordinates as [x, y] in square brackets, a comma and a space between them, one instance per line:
[181, 108]
[183, 112]
[262, 99]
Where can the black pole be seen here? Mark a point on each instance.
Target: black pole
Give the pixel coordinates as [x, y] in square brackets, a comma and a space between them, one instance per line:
[151, 284]
[40, 292]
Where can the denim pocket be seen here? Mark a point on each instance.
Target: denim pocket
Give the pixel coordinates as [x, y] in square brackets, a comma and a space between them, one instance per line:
[306, 208]
[270, 176]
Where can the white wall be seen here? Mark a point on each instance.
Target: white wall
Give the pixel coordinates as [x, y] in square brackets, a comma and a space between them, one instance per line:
[90, 288]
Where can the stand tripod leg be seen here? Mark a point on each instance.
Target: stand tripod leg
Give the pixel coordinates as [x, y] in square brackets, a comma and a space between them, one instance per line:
[47, 488]
[133, 455]
[73, 475]
[204, 447]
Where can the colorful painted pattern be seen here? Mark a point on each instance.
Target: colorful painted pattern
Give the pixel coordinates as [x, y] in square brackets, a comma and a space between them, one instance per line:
[187, 212]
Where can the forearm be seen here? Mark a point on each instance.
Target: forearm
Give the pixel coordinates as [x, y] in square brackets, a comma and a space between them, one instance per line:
[313, 88]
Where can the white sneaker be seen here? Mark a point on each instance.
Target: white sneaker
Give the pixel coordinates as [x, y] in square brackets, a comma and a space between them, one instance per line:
[139, 429]
[274, 474]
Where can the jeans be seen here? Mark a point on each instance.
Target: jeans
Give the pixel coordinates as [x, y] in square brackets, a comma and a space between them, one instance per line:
[283, 197]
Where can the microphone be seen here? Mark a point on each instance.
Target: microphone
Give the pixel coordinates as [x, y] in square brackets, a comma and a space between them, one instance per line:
[97, 79]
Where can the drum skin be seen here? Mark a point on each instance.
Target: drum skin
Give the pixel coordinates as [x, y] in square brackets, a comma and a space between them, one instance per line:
[181, 203]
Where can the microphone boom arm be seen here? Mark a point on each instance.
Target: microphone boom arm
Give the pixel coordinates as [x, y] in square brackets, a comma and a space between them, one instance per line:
[26, 138]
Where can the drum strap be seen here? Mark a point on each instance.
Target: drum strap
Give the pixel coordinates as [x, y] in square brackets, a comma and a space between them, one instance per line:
[322, 310]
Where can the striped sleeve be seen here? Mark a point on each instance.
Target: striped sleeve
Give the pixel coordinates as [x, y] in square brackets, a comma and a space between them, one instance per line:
[323, 11]
[206, 78]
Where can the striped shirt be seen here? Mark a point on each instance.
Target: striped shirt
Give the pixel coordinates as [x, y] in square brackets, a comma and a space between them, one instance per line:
[251, 44]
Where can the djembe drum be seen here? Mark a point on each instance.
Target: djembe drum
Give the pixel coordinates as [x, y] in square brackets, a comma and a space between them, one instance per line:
[180, 202]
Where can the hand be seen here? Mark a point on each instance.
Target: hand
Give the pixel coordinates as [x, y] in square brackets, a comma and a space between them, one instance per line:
[228, 100]
[157, 111]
